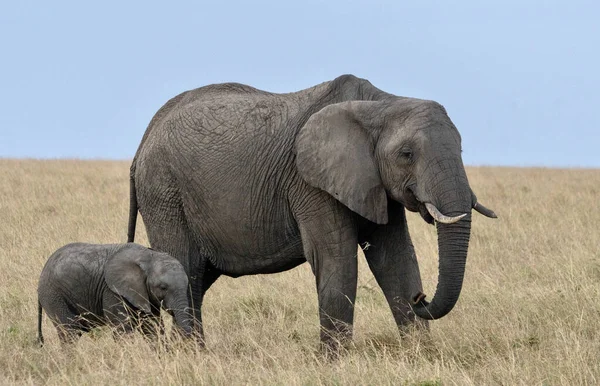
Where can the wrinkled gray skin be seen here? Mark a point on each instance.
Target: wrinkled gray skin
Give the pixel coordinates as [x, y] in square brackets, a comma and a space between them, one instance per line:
[232, 180]
[124, 285]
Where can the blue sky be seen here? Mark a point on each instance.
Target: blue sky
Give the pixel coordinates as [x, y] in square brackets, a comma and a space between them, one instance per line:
[519, 79]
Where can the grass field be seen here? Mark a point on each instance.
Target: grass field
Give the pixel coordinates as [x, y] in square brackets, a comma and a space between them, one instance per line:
[529, 312]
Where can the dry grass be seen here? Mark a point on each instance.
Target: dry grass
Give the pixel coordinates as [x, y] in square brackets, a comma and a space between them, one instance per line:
[529, 313]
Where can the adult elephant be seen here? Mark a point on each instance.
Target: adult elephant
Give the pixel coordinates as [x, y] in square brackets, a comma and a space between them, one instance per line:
[233, 180]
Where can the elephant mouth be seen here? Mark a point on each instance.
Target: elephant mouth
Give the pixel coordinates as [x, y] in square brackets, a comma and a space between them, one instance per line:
[413, 204]
[425, 214]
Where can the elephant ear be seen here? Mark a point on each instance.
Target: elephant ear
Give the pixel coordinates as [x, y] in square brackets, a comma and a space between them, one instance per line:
[125, 277]
[335, 153]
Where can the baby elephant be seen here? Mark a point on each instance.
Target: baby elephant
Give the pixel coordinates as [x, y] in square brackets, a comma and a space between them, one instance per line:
[123, 285]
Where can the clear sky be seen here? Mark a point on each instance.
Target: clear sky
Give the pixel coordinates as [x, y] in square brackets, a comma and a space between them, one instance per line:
[520, 79]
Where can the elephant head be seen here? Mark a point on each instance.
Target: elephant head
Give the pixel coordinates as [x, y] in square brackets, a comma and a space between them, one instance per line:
[408, 150]
[147, 278]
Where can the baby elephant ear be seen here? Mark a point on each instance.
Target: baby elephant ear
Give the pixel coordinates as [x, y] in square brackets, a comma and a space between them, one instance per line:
[335, 153]
[125, 277]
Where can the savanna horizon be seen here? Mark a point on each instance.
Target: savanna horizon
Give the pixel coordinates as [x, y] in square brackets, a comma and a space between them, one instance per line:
[528, 314]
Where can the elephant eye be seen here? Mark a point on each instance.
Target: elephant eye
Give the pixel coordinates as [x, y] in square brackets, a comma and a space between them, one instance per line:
[406, 154]
[163, 287]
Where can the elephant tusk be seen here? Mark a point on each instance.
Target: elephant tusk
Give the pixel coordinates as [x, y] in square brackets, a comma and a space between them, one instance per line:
[484, 211]
[439, 217]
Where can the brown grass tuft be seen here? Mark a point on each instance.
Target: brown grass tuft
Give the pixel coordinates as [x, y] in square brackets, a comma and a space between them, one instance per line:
[529, 312]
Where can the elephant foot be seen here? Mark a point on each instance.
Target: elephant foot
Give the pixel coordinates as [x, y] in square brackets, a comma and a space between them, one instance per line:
[335, 343]
[331, 350]
[417, 329]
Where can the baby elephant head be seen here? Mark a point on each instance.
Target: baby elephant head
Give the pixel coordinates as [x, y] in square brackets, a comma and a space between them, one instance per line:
[150, 279]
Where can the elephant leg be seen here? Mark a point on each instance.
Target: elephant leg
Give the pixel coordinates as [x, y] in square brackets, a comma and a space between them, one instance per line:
[68, 326]
[167, 232]
[67, 333]
[200, 283]
[391, 257]
[117, 315]
[152, 325]
[330, 244]
[68, 329]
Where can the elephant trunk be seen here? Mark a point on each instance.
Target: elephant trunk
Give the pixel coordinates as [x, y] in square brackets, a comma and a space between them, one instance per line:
[183, 319]
[453, 242]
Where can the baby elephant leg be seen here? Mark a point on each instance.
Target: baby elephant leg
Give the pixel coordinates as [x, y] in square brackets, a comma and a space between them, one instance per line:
[118, 315]
[68, 332]
[152, 325]
[68, 325]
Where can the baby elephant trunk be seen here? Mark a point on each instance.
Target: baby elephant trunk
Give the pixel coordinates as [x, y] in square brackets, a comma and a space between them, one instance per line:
[183, 319]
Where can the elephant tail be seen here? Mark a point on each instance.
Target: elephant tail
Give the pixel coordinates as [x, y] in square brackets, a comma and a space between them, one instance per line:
[133, 207]
[40, 338]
